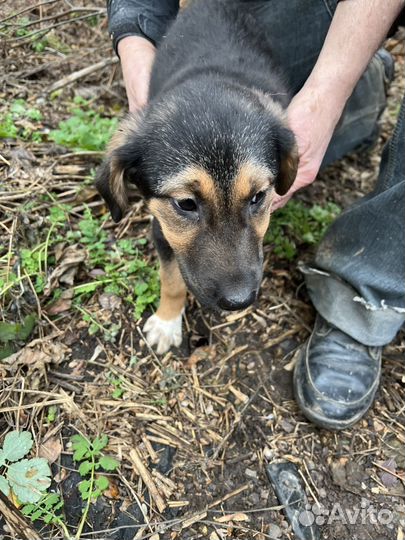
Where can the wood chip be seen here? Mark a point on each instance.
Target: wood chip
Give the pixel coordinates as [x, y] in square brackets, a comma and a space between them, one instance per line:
[239, 516]
[193, 519]
[238, 394]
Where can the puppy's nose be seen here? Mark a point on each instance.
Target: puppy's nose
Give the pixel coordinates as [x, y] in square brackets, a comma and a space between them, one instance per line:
[237, 299]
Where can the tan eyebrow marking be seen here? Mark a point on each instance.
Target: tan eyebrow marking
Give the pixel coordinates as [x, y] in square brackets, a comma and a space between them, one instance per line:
[192, 180]
[252, 177]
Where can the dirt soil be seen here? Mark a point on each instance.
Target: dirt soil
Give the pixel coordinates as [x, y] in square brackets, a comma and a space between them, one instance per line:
[206, 419]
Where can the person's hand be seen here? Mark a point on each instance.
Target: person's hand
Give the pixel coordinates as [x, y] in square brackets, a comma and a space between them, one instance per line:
[312, 118]
[137, 55]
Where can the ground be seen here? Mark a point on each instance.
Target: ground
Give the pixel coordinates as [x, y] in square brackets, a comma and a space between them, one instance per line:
[194, 430]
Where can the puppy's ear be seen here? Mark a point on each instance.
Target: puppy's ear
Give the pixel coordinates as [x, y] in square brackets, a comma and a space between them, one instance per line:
[288, 160]
[119, 168]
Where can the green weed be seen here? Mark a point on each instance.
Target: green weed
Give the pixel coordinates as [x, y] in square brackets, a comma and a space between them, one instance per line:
[89, 455]
[21, 121]
[47, 509]
[85, 129]
[295, 224]
[124, 272]
[117, 383]
[121, 267]
[29, 479]
[12, 333]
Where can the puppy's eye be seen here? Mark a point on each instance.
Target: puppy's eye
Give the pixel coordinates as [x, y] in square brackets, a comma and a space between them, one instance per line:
[258, 198]
[187, 205]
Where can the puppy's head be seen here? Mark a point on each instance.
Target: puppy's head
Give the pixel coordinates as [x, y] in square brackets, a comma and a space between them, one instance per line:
[209, 173]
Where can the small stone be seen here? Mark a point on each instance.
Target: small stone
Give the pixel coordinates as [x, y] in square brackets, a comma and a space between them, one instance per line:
[274, 531]
[251, 473]
[264, 494]
[268, 453]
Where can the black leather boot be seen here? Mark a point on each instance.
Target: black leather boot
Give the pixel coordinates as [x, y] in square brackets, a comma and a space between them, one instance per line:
[336, 377]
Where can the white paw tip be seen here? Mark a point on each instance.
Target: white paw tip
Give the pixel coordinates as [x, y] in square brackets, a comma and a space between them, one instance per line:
[163, 334]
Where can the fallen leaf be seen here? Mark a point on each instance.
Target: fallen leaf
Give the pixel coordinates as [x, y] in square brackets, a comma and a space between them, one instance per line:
[63, 303]
[389, 480]
[50, 449]
[112, 492]
[37, 354]
[68, 265]
[109, 301]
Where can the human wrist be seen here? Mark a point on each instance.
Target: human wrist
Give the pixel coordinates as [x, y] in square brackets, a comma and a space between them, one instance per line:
[129, 45]
[322, 101]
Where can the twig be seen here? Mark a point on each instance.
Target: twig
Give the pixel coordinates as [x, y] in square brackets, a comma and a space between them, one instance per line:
[385, 469]
[17, 522]
[30, 8]
[43, 31]
[59, 15]
[147, 479]
[234, 424]
[80, 73]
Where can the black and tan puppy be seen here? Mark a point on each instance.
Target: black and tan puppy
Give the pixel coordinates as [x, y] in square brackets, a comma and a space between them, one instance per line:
[208, 153]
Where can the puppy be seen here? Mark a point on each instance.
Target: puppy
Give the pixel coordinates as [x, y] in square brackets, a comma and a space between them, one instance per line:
[208, 153]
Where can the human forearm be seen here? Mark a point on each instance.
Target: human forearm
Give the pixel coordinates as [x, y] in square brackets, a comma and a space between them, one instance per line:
[357, 30]
[137, 55]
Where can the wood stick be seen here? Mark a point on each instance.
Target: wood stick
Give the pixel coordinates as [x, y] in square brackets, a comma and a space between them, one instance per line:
[16, 521]
[147, 479]
[69, 79]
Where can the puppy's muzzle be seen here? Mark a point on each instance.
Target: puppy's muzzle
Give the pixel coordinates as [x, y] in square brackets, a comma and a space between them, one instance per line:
[238, 293]
[239, 299]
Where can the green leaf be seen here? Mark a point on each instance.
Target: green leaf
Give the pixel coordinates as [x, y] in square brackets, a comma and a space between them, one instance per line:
[84, 487]
[37, 514]
[28, 508]
[4, 487]
[29, 478]
[81, 447]
[7, 351]
[117, 393]
[108, 463]
[19, 331]
[102, 483]
[17, 444]
[2, 458]
[8, 331]
[99, 443]
[48, 518]
[51, 500]
[85, 468]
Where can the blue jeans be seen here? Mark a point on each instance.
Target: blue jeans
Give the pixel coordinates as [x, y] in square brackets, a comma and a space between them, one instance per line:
[357, 281]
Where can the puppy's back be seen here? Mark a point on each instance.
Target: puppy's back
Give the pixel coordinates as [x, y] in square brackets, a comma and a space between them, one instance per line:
[216, 38]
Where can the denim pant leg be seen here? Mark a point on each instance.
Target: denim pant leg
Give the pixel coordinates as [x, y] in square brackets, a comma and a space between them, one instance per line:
[296, 30]
[358, 280]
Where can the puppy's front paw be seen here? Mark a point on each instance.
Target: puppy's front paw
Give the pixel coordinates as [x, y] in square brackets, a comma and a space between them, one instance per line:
[163, 333]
